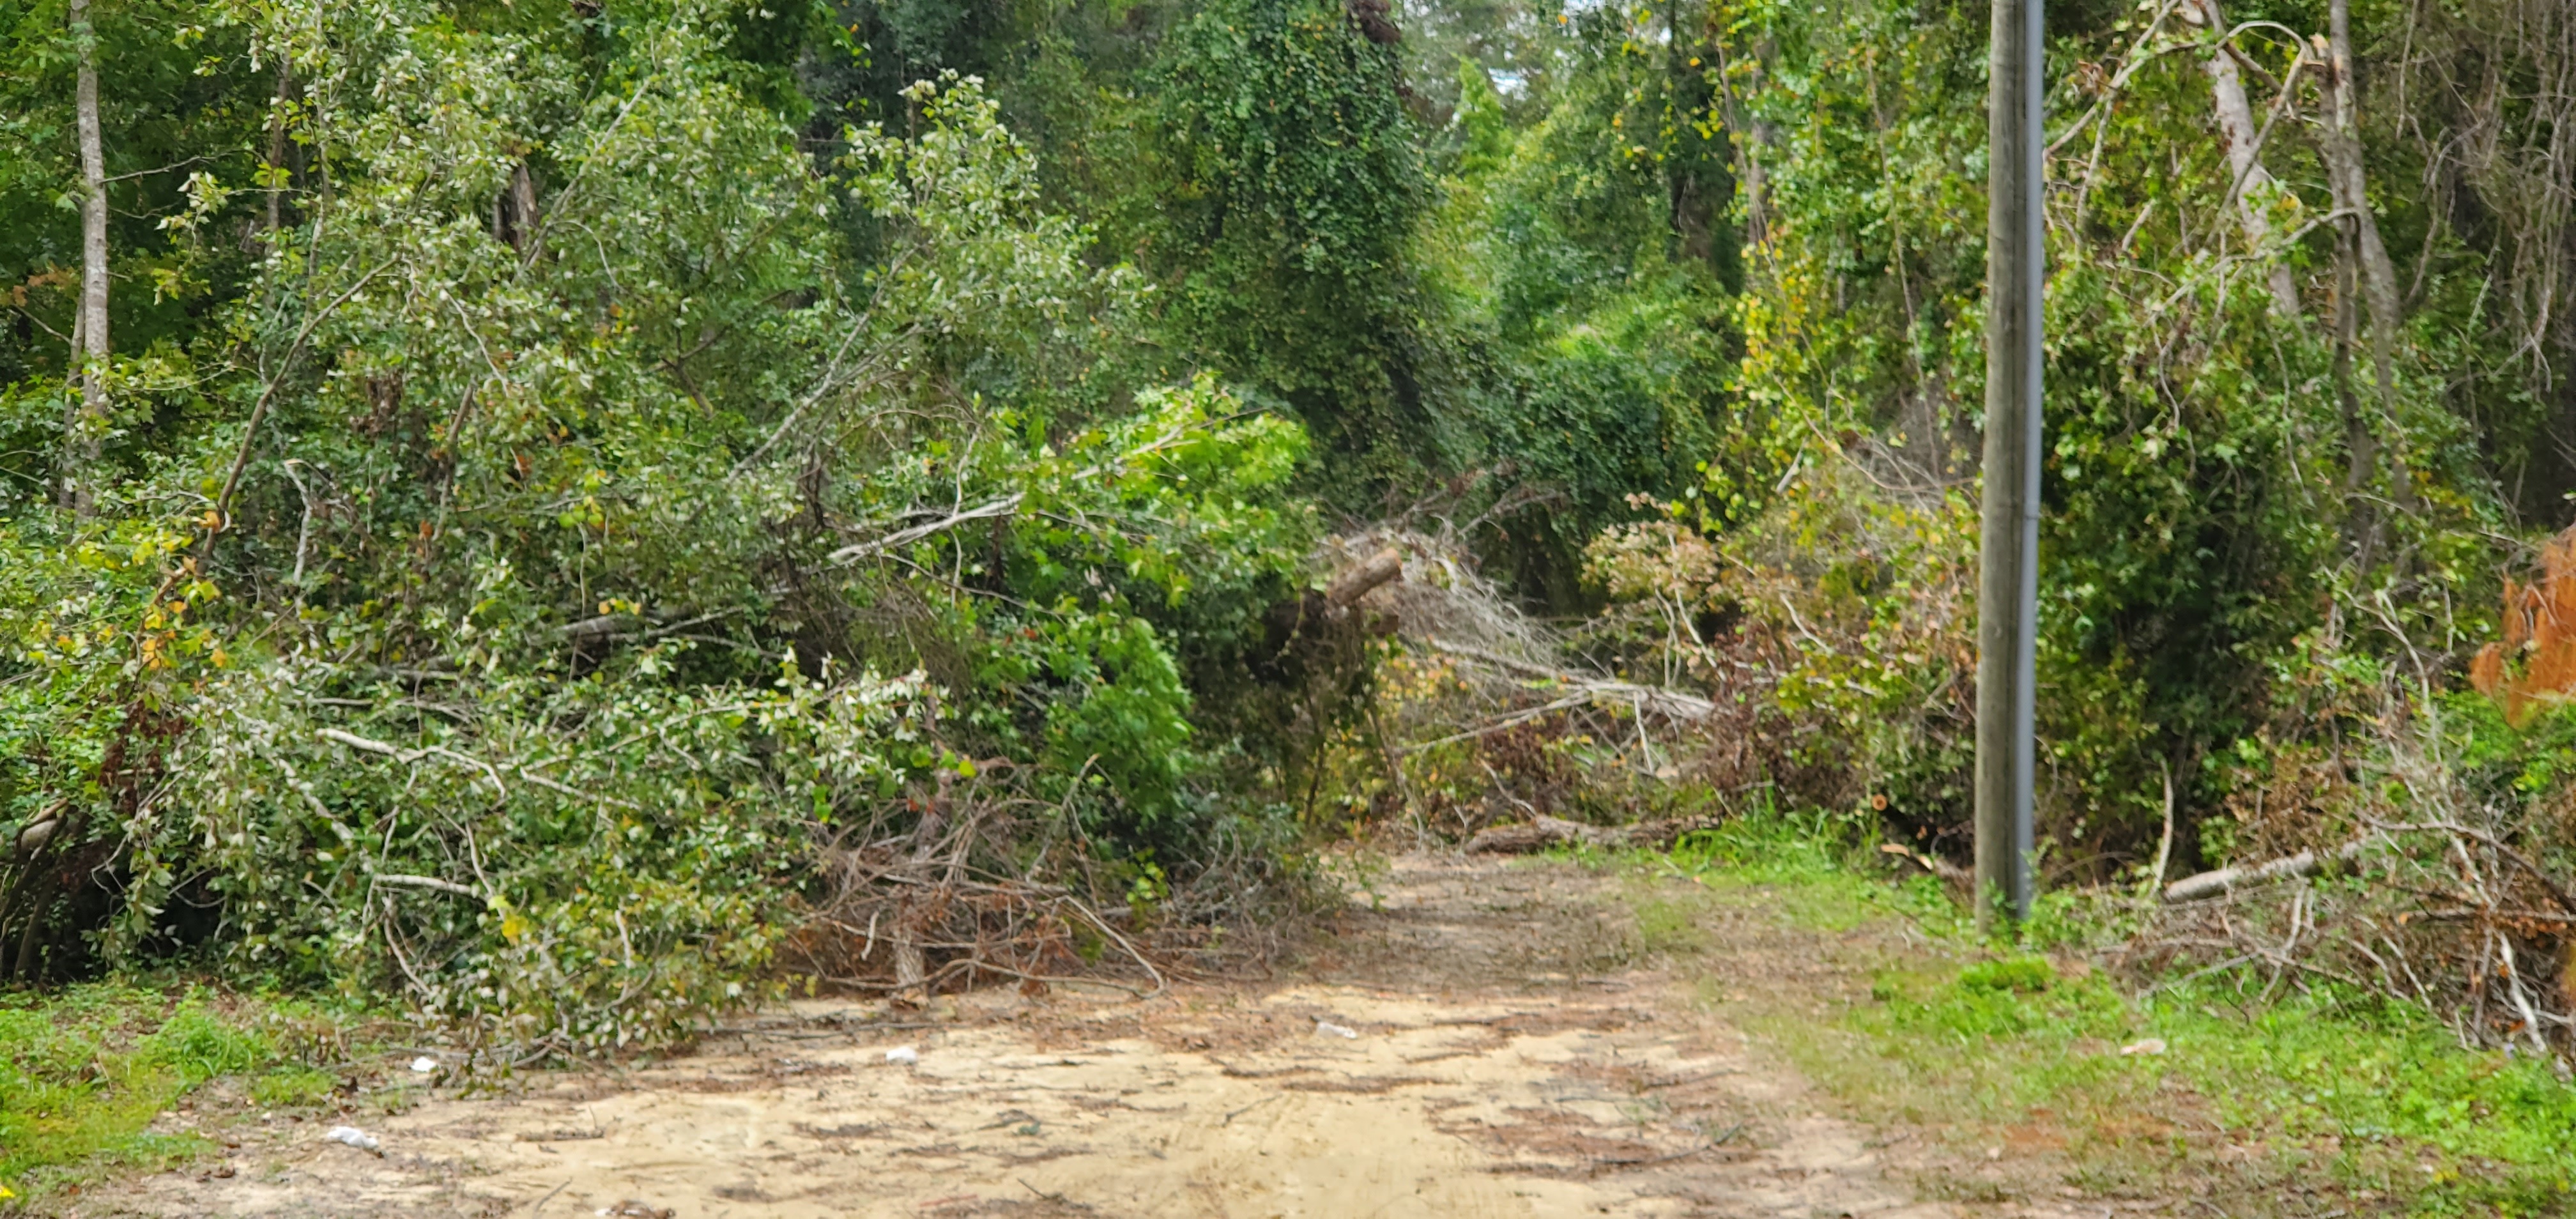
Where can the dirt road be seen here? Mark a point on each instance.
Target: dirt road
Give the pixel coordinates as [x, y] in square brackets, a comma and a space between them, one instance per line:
[1488, 1042]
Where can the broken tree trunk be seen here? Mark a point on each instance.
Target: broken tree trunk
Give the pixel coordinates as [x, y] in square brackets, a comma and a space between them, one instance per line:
[923, 901]
[1934, 864]
[1347, 588]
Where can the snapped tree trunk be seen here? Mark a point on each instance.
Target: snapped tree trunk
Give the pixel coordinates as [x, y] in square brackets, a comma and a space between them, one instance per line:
[2237, 130]
[918, 905]
[87, 426]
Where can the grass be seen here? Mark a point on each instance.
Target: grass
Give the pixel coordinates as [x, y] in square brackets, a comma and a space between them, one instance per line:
[2300, 1105]
[85, 1071]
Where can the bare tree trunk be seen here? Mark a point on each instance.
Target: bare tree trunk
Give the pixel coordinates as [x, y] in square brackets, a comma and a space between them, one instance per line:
[911, 975]
[2361, 448]
[83, 431]
[2339, 139]
[277, 146]
[2358, 443]
[1754, 134]
[2237, 129]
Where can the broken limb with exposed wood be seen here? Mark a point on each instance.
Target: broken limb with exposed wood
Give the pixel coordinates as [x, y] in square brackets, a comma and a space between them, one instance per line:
[1347, 587]
[1934, 864]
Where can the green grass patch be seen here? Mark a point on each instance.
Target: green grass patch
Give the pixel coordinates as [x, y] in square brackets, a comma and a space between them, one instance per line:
[84, 1071]
[1822, 869]
[2369, 1099]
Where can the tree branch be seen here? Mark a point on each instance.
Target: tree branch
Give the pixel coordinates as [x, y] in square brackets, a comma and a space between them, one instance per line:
[1004, 506]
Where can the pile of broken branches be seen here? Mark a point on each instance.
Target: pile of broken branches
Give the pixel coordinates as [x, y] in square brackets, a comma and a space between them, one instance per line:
[939, 904]
[2439, 910]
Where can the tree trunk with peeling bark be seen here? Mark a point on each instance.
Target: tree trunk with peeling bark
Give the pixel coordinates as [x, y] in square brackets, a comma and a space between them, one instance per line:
[82, 432]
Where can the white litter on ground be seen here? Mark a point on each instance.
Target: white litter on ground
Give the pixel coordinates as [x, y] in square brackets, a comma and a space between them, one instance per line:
[424, 1065]
[353, 1137]
[1326, 1028]
[903, 1055]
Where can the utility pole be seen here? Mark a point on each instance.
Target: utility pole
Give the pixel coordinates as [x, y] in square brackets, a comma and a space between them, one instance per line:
[2008, 551]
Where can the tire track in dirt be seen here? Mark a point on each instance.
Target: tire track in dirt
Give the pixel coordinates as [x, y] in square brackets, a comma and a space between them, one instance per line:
[1512, 1056]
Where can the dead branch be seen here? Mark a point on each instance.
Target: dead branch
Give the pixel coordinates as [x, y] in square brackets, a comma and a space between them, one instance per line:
[2224, 881]
[955, 901]
[1004, 506]
[429, 882]
[1658, 699]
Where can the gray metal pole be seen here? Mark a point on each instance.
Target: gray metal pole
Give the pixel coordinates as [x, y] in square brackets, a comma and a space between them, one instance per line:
[2008, 554]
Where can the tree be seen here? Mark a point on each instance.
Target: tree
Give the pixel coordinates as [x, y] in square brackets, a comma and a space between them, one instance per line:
[81, 431]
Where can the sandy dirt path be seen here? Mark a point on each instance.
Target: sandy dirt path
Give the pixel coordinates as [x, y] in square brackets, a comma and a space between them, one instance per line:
[1511, 1055]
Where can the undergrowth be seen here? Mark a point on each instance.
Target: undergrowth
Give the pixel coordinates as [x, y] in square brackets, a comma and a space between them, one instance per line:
[2123, 1086]
[86, 1070]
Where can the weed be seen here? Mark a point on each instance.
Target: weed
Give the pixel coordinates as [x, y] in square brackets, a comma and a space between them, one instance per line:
[292, 1088]
[2023, 975]
[2312, 1090]
[85, 1071]
[199, 1045]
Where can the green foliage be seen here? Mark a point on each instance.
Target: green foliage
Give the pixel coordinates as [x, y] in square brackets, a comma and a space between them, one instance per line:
[501, 618]
[628, 872]
[2212, 532]
[1582, 244]
[1290, 143]
[1285, 184]
[1429, 303]
[568, 464]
